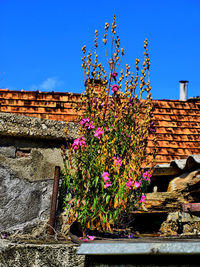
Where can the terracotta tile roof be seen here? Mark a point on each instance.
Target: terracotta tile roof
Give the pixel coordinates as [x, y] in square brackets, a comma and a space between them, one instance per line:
[44, 105]
[177, 129]
[177, 122]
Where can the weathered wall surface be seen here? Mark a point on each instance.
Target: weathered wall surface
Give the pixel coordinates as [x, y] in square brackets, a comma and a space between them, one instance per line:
[30, 159]
[33, 255]
[23, 204]
[30, 148]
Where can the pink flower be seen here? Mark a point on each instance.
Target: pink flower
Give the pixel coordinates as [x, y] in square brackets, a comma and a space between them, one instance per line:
[87, 239]
[87, 123]
[98, 133]
[91, 237]
[84, 120]
[107, 184]
[106, 179]
[91, 126]
[78, 142]
[75, 145]
[137, 184]
[146, 176]
[114, 74]
[129, 183]
[4, 235]
[115, 88]
[117, 162]
[105, 176]
[142, 200]
[82, 141]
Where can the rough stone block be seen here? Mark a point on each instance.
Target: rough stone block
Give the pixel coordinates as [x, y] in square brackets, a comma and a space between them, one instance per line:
[8, 151]
[23, 204]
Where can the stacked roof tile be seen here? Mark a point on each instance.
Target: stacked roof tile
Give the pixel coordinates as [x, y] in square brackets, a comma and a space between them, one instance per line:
[44, 105]
[177, 122]
[177, 128]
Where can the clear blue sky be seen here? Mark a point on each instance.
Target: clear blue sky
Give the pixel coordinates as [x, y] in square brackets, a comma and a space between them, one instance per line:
[41, 41]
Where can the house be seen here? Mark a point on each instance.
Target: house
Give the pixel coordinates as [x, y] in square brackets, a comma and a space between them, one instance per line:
[30, 149]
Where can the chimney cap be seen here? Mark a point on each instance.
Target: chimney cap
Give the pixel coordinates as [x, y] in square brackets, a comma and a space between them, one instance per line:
[183, 81]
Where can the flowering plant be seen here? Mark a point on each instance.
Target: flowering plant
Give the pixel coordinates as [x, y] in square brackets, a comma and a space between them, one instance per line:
[105, 176]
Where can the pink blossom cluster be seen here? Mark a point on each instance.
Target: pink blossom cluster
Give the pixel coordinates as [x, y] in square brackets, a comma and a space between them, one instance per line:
[142, 199]
[4, 235]
[114, 88]
[78, 142]
[98, 133]
[130, 102]
[87, 123]
[106, 179]
[129, 184]
[146, 176]
[114, 74]
[90, 238]
[117, 162]
[137, 184]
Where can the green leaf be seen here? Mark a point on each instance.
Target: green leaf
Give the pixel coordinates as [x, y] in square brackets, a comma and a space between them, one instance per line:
[94, 203]
[107, 199]
[96, 180]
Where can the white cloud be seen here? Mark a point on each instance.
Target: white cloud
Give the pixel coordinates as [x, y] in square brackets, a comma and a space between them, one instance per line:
[51, 83]
[48, 84]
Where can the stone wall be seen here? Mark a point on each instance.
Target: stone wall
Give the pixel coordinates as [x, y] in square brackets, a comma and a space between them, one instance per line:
[30, 148]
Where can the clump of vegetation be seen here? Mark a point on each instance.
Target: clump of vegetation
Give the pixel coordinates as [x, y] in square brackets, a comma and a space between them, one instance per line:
[104, 172]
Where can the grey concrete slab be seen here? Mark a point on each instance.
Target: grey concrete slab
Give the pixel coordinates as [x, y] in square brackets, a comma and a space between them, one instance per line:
[140, 248]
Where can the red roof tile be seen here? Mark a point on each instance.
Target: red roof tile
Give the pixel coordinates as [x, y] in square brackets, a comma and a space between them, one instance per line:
[177, 122]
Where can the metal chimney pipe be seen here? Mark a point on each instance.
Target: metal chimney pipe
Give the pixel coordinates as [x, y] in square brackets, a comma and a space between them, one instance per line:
[183, 90]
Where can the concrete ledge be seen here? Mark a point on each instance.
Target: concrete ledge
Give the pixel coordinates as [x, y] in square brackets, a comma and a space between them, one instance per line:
[144, 254]
[23, 126]
[35, 255]
[141, 248]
